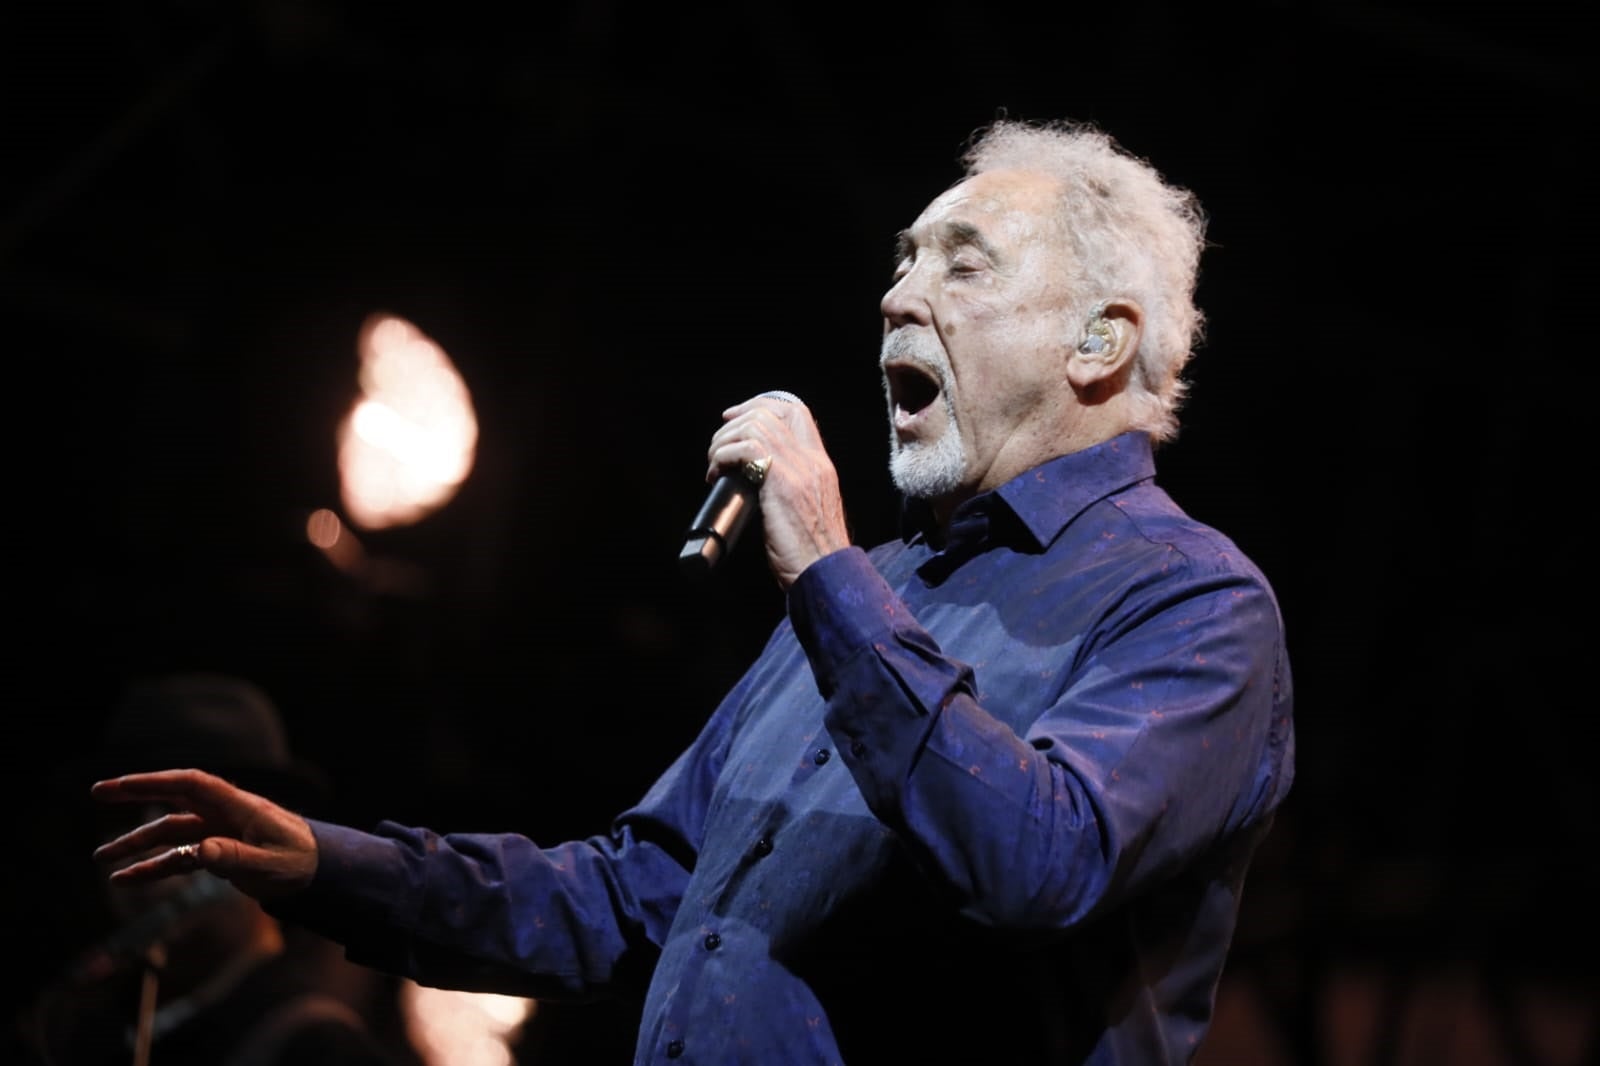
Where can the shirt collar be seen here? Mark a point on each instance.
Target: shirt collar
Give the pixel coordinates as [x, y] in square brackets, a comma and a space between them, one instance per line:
[1049, 496]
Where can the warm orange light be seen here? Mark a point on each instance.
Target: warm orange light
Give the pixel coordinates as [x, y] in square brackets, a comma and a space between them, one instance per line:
[323, 528]
[328, 534]
[410, 439]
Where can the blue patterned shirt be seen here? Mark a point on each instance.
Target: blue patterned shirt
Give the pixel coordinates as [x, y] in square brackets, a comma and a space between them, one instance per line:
[986, 801]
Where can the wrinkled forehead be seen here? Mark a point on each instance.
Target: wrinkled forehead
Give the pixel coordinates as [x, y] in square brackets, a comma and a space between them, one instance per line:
[1005, 204]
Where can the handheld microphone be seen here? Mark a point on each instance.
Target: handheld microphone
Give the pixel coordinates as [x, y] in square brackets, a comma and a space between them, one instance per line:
[723, 516]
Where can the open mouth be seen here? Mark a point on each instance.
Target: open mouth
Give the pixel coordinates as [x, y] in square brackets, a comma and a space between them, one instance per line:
[911, 388]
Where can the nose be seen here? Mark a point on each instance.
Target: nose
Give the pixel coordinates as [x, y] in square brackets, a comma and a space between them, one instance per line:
[905, 304]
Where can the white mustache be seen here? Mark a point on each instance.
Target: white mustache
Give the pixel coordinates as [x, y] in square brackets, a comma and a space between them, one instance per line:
[911, 346]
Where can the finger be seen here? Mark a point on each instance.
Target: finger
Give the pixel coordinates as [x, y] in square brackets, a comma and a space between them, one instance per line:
[733, 456]
[176, 787]
[746, 419]
[775, 401]
[182, 859]
[230, 857]
[762, 415]
[167, 831]
[756, 433]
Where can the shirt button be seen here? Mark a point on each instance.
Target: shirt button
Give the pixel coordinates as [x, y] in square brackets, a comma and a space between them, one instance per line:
[763, 848]
[821, 756]
[857, 748]
[713, 941]
[674, 1049]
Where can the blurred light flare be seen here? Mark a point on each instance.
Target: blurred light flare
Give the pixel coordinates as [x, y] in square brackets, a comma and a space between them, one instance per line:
[453, 1028]
[409, 441]
[326, 532]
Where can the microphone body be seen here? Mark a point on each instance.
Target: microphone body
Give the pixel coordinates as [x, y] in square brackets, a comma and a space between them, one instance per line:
[723, 516]
[718, 524]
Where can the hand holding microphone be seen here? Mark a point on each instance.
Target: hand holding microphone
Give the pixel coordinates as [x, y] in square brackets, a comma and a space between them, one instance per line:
[769, 455]
[729, 505]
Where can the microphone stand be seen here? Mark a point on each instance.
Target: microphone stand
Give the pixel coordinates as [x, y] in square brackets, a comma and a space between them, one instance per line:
[155, 959]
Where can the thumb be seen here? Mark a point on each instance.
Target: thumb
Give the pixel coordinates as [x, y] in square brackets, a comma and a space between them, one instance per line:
[260, 871]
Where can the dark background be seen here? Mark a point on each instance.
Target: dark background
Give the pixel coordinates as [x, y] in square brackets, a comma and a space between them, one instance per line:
[620, 218]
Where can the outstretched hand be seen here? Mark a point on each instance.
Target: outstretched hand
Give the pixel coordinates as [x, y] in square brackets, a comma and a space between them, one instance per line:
[265, 850]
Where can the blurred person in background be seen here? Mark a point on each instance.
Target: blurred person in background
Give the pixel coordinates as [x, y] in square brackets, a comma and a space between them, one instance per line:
[193, 972]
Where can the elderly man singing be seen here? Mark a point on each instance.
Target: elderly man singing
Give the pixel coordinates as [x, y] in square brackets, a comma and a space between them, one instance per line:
[990, 791]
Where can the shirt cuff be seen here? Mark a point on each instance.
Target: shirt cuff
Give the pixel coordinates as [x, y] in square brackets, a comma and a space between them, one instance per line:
[357, 879]
[838, 606]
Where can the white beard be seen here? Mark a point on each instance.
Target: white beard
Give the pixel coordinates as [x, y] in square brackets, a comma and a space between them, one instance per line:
[920, 469]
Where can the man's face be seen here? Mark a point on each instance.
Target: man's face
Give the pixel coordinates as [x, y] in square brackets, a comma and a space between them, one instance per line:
[976, 330]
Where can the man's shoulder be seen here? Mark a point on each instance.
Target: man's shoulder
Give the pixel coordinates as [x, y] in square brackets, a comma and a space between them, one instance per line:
[1148, 521]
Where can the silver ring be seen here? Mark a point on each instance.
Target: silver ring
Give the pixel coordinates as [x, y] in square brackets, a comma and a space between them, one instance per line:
[755, 471]
[191, 852]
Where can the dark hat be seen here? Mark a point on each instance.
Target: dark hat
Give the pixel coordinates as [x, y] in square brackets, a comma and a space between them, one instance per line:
[212, 721]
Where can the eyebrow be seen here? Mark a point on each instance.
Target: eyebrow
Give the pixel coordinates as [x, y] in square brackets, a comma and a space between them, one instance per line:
[903, 246]
[952, 234]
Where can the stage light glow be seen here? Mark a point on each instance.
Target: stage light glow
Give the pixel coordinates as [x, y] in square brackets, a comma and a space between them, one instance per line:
[452, 1028]
[410, 438]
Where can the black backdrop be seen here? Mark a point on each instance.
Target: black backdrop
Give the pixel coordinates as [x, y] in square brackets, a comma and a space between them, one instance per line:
[619, 218]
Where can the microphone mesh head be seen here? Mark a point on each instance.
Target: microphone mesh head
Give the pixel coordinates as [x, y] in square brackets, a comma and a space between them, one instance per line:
[786, 397]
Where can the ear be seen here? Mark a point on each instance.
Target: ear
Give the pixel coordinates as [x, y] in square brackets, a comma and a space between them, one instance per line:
[1107, 346]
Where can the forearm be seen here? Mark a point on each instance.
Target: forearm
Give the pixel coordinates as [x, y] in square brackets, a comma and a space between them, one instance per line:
[564, 921]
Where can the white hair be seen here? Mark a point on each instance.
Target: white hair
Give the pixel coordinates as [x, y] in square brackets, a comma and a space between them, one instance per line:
[1131, 235]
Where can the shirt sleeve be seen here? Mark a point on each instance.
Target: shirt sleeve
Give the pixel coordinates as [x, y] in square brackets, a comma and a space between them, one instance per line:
[497, 912]
[1162, 743]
